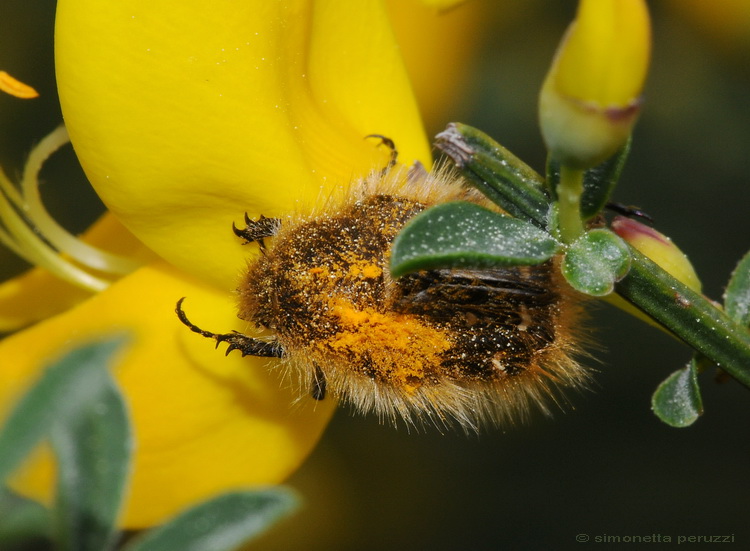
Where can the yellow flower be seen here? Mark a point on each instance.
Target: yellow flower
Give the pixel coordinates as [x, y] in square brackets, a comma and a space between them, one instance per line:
[185, 117]
[590, 98]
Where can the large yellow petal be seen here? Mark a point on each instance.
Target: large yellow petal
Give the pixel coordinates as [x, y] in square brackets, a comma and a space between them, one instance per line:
[35, 295]
[38, 294]
[204, 423]
[185, 115]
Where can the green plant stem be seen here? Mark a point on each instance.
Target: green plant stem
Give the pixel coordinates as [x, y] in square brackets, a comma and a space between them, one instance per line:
[689, 315]
[569, 193]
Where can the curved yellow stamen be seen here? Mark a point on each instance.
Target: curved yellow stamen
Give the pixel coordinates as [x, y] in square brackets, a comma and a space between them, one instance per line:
[15, 87]
[31, 233]
[88, 255]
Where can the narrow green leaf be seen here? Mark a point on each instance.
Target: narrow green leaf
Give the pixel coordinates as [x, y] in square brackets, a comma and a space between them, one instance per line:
[464, 234]
[23, 522]
[598, 182]
[595, 261]
[737, 296]
[222, 524]
[93, 454]
[496, 172]
[552, 179]
[62, 389]
[677, 401]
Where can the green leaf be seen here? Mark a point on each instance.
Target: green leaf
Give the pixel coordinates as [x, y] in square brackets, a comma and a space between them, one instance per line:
[93, 451]
[737, 296]
[222, 524]
[552, 179]
[504, 178]
[464, 234]
[595, 261]
[598, 182]
[63, 388]
[23, 523]
[677, 401]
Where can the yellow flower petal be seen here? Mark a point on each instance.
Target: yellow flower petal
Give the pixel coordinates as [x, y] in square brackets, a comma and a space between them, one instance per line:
[185, 117]
[606, 54]
[38, 294]
[204, 423]
[590, 98]
[35, 295]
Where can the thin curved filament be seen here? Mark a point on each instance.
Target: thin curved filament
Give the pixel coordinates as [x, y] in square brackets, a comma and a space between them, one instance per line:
[30, 232]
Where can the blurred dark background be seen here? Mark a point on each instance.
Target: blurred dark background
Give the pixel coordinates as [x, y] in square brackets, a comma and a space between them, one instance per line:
[604, 466]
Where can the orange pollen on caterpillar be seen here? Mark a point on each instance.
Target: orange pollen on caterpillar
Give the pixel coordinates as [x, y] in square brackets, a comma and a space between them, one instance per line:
[380, 336]
[443, 346]
[366, 270]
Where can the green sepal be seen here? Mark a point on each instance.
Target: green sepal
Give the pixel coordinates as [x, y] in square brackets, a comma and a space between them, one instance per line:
[496, 172]
[677, 400]
[461, 234]
[598, 182]
[737, 295]
[595, 261]
[221, 524]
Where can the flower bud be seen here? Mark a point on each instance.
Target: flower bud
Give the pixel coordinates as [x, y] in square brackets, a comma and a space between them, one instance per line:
[591, 96]
[659, 248]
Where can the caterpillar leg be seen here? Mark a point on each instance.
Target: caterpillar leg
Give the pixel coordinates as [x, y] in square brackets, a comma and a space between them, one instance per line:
[257, 230]
[248, 346]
